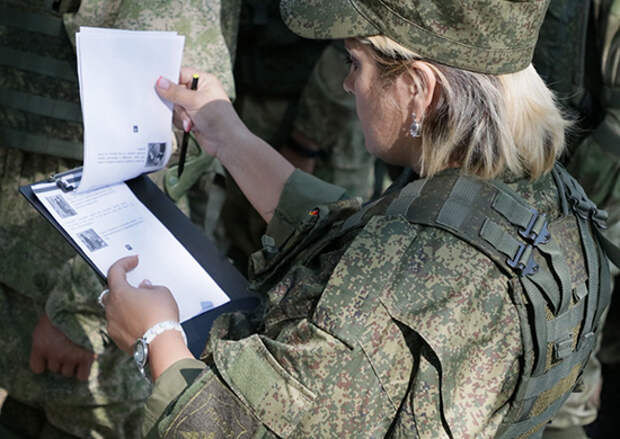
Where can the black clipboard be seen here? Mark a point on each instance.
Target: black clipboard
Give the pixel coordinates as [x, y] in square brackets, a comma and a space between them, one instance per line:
[189, 235]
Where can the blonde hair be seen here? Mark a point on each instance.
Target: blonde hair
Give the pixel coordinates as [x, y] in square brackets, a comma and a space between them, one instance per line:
[485, 124]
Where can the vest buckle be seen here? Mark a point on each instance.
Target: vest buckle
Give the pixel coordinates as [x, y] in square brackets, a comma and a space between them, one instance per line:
[537, 230]
[523, 262]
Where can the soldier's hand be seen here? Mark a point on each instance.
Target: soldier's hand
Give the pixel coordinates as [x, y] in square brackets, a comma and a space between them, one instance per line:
[206, 111]
[131, 311]
[53, 351]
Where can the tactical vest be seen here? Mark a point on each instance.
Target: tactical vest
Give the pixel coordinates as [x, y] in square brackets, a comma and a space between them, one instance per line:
[559, 320]
[39, 94]
[557, 270]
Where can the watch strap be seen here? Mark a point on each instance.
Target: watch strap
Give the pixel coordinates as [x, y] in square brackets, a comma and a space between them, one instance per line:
[160, 328]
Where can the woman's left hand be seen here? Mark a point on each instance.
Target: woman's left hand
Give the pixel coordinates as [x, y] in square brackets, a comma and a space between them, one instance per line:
[131, 311]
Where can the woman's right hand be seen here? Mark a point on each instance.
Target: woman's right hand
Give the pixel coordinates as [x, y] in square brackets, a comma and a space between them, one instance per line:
[259, 170]
[206, 111]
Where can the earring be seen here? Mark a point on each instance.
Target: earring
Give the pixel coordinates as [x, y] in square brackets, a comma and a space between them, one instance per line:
[415, 128]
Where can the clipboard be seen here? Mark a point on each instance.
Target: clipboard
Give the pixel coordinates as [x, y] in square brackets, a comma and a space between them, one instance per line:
[190, 236]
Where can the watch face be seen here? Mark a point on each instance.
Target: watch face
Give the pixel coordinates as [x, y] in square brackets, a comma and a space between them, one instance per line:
[141, 352]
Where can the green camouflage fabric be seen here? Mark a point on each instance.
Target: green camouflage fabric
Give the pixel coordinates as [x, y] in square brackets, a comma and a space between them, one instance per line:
[39, 272]
[388, 329]
[323, 113]
[486, 36]
[577, 55]
[199, 21]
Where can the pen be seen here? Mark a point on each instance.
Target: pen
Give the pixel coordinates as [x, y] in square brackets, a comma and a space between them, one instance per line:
[186, 134]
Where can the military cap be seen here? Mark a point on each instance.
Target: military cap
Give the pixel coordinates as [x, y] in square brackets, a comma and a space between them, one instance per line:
[487, 36]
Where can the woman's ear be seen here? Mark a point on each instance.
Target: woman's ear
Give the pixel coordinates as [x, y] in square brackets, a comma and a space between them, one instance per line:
[423, 82]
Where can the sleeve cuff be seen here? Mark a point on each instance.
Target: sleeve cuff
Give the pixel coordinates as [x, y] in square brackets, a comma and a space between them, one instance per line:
[301, 193]
[170, 384]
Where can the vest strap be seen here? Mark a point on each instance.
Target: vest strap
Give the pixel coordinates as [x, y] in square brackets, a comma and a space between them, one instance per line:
[547, 283]
[542, 383]
[591, 254]
[520, 255]
[357, 218]
[406, 198]
[559, 182]
[520, 428]
[460, 203]
[38, 64]
[540, 323]
[533, 226]
[605, 287]
[31, 22]
[40, 105]
[560, 268]
[562, 325]
[40, 144]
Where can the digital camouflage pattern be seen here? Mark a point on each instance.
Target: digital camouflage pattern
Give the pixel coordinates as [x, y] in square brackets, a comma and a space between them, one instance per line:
[39, 272]
[37, 269]
[487, 36]
[386, 329]
[199, 21]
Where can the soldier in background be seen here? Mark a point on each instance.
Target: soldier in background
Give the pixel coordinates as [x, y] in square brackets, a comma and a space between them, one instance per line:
[289, 92]
[52, 328]
[578, 54]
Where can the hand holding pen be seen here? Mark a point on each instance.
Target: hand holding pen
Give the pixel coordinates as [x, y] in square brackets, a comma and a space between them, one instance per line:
[207, 111]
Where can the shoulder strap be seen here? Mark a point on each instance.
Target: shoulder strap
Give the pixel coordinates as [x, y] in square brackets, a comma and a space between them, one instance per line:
[498, 222]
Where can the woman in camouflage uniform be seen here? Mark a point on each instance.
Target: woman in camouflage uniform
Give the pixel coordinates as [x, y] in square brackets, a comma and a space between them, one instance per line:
[463, 304]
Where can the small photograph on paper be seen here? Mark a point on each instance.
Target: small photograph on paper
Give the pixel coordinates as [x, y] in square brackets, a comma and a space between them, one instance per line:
[60, 205]
[156, 154]
[93, 241]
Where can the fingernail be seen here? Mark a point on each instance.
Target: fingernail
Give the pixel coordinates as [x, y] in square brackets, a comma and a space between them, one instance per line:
[187, 125]
[163, 83]
[147, 283]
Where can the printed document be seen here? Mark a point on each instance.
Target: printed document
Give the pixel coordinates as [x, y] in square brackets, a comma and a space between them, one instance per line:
[127, 133]
[126, 124]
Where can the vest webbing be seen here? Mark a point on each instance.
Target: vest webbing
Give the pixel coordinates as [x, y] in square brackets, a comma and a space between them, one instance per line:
[498, 222]
[32, 136]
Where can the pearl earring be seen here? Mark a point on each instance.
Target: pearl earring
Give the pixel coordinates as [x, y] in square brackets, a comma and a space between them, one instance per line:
[415, 128]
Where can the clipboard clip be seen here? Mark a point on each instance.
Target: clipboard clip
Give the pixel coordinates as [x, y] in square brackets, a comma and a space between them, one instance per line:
[67, 181]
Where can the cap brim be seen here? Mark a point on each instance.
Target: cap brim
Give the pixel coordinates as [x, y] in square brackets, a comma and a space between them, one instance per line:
[326, 19]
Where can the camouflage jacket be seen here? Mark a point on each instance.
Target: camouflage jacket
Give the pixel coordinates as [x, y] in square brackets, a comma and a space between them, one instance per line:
[389, 329]
[57, 282]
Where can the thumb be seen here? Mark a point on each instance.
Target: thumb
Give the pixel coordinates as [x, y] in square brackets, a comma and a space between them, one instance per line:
[177, 94]
[117, 274]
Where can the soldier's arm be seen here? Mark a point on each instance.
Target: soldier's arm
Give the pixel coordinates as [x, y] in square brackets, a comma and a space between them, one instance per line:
[259, 170]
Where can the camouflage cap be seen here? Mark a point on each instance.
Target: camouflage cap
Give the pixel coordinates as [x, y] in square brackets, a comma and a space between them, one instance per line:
[488, 36]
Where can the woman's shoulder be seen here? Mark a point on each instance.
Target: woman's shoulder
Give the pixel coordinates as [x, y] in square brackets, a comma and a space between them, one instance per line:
[422, 264]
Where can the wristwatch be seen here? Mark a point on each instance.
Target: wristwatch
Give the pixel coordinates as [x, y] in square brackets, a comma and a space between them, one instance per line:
[141, 348]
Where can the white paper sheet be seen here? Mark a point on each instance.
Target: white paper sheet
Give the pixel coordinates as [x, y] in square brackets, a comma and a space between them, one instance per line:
[127, 132]
[110, 223]
[127, 126]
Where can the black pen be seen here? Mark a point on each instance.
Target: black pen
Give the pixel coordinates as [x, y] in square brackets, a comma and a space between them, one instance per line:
[186, 133]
